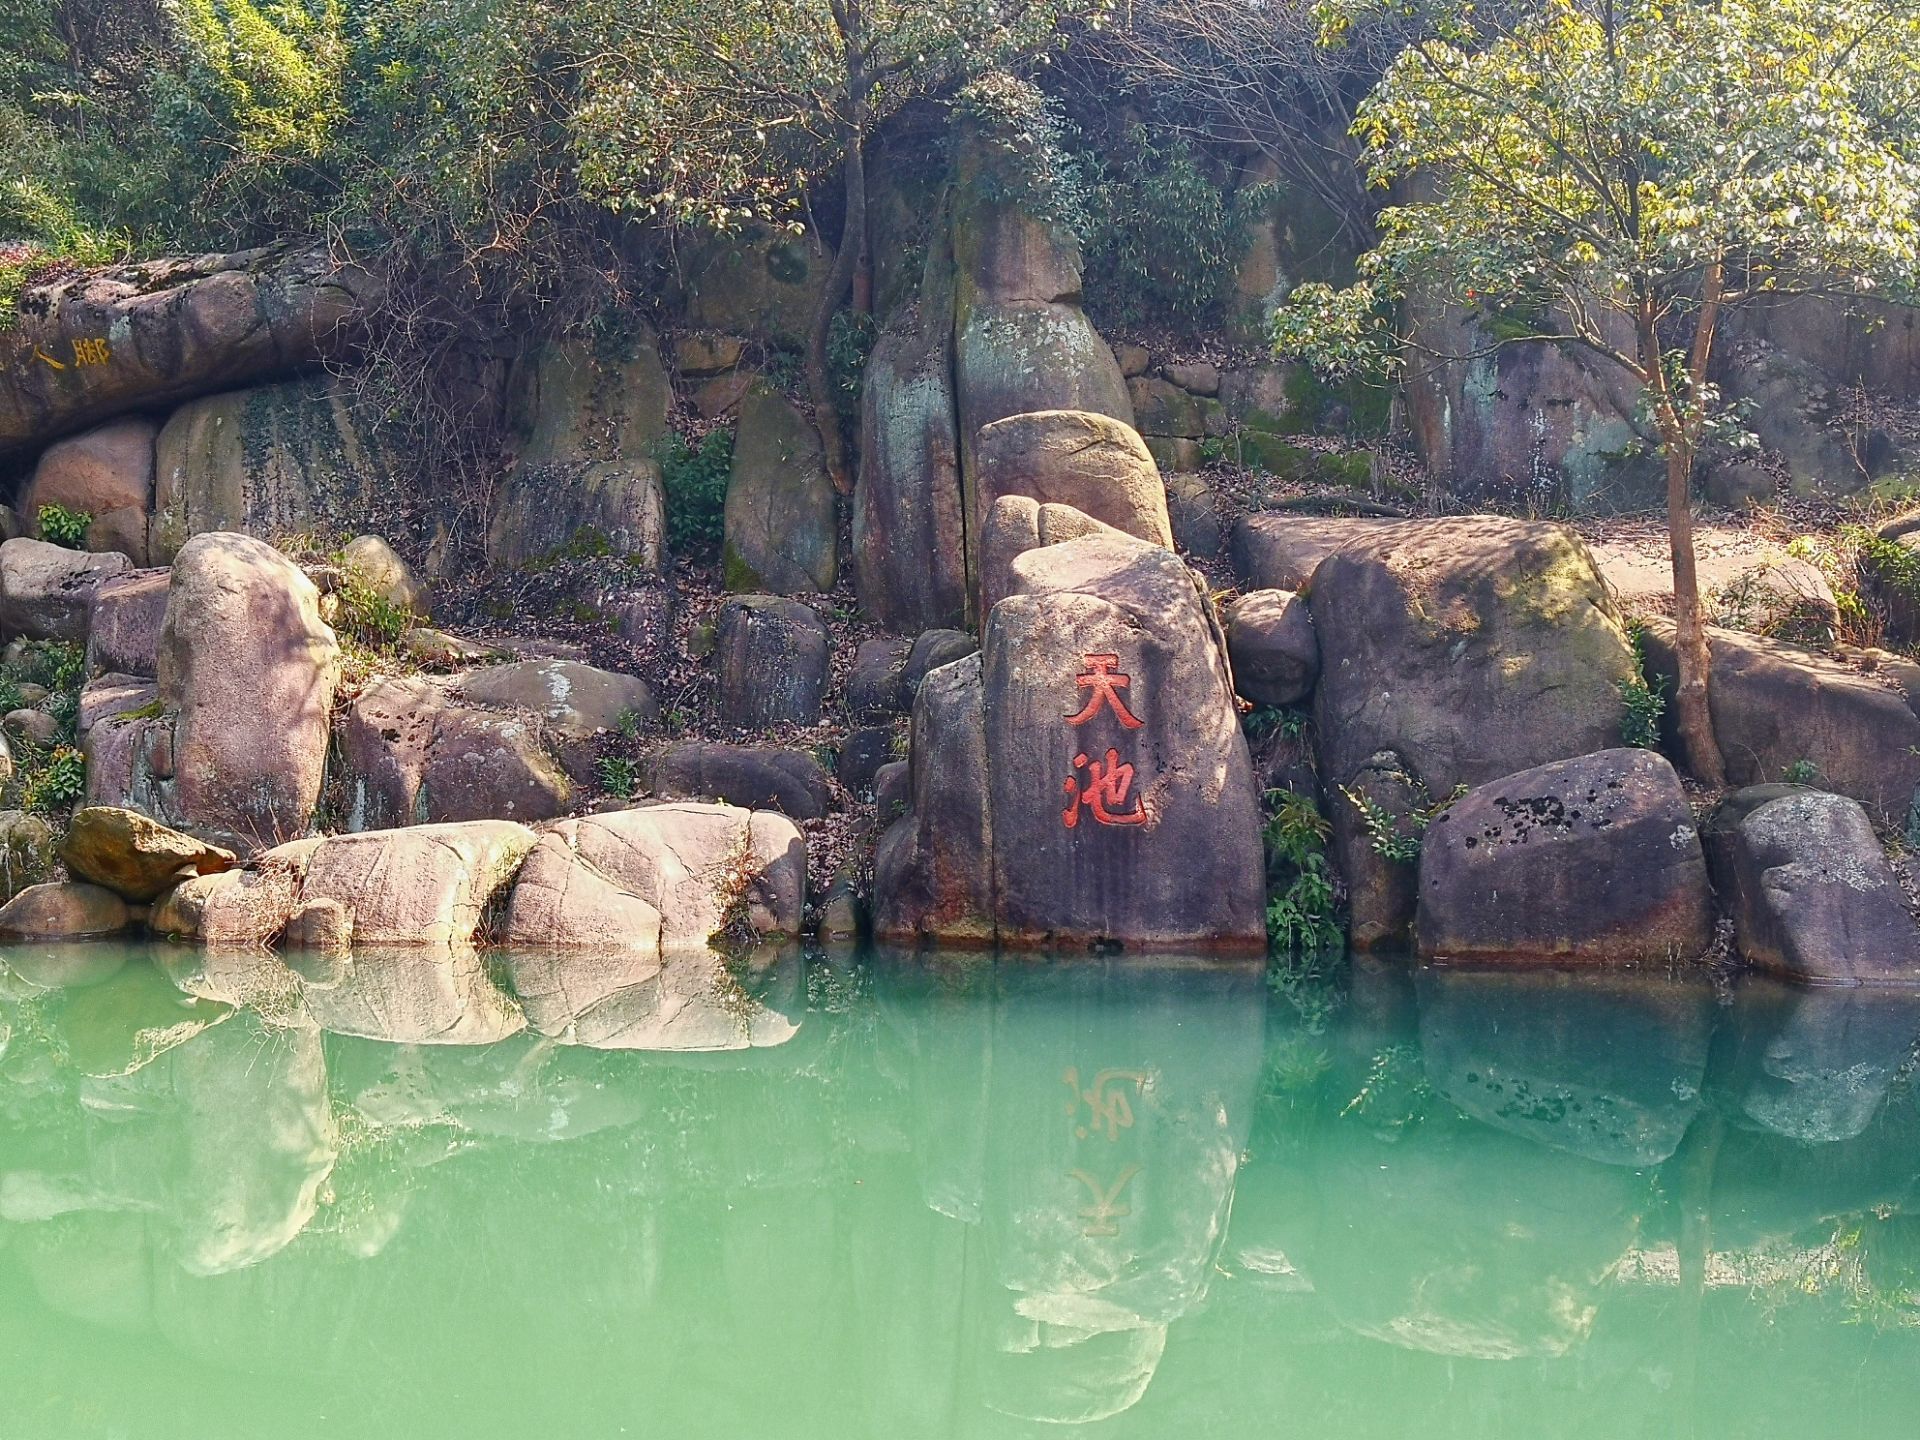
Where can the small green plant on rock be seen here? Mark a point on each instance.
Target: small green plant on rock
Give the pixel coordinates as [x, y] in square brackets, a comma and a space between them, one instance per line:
[1801, 772]
[1645, 697]
[1398, 839]
[695, 476]
[1300, 917]
[619, 776]
[56, 784]
[61, 526]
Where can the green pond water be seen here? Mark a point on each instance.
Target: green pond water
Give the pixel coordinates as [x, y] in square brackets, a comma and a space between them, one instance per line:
[876, 1197]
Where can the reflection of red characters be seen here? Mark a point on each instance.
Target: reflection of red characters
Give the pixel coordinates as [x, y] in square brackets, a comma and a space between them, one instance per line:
[1106, 685]
[1107, 785]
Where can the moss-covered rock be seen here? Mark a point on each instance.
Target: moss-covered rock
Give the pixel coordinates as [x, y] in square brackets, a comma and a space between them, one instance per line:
[782, 531]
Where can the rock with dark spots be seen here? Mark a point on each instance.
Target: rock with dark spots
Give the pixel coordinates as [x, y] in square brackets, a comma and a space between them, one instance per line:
[133, 855]
[892, 791]
[1382, 888]
[571, 700]
[1812, 894]
[707, 871]
[862, 754]
[125, 616]
[379, 567]
[424, 885]
[46, 591]
[27, 854]
[247, 671]
[874, 684]
[1091, 462]
[1118, 803]
[1815, 1062]
[1280, 550]
[771, 655]
[756, 777]
[588, 470]
[105, 474]
[782, 534]
[1271, 642]
[410, 754]
[1593, 860]
[59, 910]
[931, 650]
[909, 536]
[1777, 707]
[161, 331]
[1470, 647]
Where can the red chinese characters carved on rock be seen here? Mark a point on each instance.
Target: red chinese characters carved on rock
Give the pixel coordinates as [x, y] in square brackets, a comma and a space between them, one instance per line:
[1107, 786]
[1106, 684]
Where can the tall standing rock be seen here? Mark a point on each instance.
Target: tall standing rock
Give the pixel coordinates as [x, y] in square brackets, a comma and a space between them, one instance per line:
[1089, 782]
[246, 675]
[782, 531]
[592, 424]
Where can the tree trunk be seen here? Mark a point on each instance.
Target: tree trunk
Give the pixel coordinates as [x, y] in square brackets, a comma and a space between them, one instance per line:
[826, 415]
[1692, 715]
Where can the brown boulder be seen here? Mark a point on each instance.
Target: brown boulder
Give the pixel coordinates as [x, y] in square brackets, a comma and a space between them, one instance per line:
[574, 701]
[244, 909]
[248, 670]
[46, 590]
[424, 885]
[771, 655]
[1470, 647]
[380, 568]
[1593, 860]
[134, 856]
[1279, 550]
[125, 615]
[1382, 888]
[1275, 654]
[1811, 891]
[781, 515]
[106, 474]
[63, 911]
[756, 777]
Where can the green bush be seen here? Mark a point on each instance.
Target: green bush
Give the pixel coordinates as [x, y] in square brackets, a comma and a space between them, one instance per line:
[61, 526]
[695, 478]
[56, 784]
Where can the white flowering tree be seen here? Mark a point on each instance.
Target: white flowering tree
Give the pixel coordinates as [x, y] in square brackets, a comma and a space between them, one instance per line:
[723, 112]
[1620, 175]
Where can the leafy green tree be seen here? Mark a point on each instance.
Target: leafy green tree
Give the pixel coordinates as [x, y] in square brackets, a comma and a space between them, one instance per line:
[1622, 174]
[725, 112]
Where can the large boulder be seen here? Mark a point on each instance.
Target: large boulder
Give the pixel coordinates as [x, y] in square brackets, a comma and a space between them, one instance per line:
[771, 655]
[1275, 653]
[105, 474]
[781, 518]
[244, 909]
[46, 591]
[63, 910]
[909, 538]
[1374, 850]
[757, 777]
[1812, 894]
[27, 851]
[126, 613]
[1280, 550]
[588, 464]
[411, 754]
[1471, 648]
[574, 701]
[1091, 462]
[1015, 525]
[133, 855]
[424, 885]
[146, 335]
[246, 673]
[1778, 708]
[1086, 781]
[275, 460]
[1593, 860]
[377, 566]
[761, 282]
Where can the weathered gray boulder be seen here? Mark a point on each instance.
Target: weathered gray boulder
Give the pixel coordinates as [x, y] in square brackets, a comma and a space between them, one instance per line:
[247, 670]
[571, 700]
[244, 909]
[63, 911]
[755, 777]
[771, 656]
[909, 537]
[1015, 525]
[1091, 462]
[762, 282]
[782, 531]
[45, 590]
[1777, 707]
[126, 613]
[1271, 642]
[1280, 550]
[592, 424]
[410, 754]
[133, 855]
[861, 754]
[1593, 860]
[932, 649]
[374, 563]
[276, 460]
[1471, 648]
[106, 474]
[1811, 892]
[1086, 780]
[874, 686]
[27, 854]
[424, 885]
[145, 335]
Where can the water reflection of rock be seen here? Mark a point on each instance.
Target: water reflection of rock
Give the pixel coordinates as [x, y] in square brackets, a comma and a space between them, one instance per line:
[1605, 1065]
[1815, 1064]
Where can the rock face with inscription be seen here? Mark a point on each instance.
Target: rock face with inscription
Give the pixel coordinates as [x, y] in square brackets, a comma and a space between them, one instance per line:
[1084, 780]
[143, 336]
